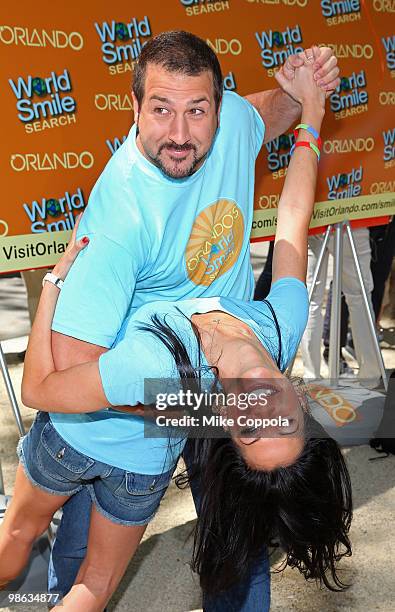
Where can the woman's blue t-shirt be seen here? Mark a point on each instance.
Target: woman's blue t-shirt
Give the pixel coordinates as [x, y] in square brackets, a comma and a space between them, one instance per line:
[118, 438]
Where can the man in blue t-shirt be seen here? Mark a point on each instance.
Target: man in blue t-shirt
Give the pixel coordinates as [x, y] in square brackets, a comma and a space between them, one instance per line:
[169, 218]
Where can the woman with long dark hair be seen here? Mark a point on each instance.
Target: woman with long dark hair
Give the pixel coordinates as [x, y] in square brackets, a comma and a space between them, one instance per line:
[273, 474]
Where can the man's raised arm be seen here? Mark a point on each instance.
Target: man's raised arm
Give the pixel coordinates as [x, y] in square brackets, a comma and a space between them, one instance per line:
[277, 108]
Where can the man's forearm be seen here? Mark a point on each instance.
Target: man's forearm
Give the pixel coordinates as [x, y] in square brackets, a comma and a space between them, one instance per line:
[278, 110]
[68, 351]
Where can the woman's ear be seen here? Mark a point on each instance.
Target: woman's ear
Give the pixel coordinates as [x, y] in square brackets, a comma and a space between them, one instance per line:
[223, 411]
[302, 391]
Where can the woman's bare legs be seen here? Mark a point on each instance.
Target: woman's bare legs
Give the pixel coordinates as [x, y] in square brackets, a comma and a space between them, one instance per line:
[27, 517]
[110, 548]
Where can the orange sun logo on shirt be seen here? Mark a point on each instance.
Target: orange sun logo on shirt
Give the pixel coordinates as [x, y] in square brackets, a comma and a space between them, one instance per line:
[215, 242]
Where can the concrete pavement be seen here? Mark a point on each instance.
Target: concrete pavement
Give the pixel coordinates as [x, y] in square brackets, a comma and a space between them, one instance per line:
[158, 578]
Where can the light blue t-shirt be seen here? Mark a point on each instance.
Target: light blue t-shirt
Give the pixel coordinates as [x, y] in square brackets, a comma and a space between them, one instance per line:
[140, 355]
[156, 238]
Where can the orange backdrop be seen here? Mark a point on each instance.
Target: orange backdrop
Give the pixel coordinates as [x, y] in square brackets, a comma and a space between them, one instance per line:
[66, 103]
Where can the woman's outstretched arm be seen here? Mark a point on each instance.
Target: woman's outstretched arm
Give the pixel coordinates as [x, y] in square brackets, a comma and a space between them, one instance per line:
[297, 198]
[76, 389]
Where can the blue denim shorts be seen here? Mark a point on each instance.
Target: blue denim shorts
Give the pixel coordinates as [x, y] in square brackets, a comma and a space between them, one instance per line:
[54, 466]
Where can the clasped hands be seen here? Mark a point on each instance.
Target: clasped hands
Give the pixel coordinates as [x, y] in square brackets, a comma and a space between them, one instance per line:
[325, 70]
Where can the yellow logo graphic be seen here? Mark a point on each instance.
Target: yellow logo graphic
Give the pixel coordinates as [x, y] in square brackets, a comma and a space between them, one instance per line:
[215, 242]
[341, 411]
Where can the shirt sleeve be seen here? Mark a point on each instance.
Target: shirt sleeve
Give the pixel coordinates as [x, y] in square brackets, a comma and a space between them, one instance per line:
[244, 125]
[289, 299]
[97, 292]
[257, 127]
[120, 374]
[136, 370]
[99, 288]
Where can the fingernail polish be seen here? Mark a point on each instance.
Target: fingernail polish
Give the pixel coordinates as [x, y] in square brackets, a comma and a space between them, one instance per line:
[85, 240]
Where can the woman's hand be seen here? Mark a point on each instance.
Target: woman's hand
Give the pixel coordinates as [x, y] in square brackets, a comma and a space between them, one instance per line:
[73, 249]
[302, 86]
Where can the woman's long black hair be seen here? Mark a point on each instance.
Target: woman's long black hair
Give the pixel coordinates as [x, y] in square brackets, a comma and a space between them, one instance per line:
[306, 507]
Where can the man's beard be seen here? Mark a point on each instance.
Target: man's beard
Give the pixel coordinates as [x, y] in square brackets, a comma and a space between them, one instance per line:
[175, 171]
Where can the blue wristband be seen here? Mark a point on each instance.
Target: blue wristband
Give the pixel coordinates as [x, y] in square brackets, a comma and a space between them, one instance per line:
[308, 128]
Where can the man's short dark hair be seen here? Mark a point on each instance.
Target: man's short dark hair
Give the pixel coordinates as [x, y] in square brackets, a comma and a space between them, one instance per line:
[180, 52]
